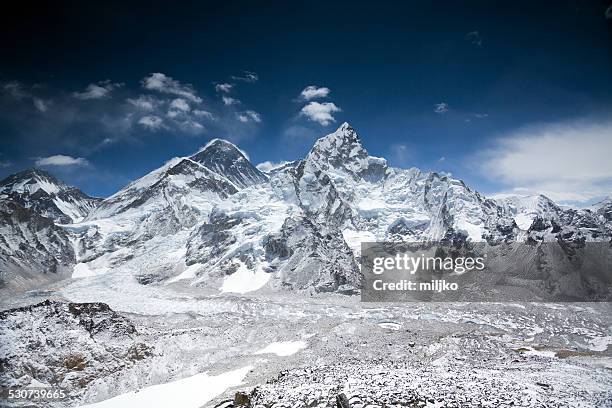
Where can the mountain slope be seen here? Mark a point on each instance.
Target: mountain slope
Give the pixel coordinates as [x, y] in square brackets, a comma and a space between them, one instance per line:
[214, 220]
[224, 158]
[47, 196]
[33, 250]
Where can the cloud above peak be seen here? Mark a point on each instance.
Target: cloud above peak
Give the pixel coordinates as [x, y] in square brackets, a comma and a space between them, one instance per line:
[567, 161]
[61, 160]
[160, 82]
[314, 92]
[320, 112]
[249, 116]
[97, 90]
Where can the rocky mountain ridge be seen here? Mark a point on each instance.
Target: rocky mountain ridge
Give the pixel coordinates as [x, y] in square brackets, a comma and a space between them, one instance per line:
[214, 219]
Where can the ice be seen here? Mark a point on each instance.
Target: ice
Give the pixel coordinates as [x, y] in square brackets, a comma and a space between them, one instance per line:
[524, 221]
[244, 280]
[355, 238]
[283, 348]
[82, 270]
[194, 391]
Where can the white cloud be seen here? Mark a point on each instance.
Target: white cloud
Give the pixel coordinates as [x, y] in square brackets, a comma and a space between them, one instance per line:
[203, 114]
[144, 102]
[180, 104]
[320, 112]
[567, 162]
[192, 125]
[224, 87]
[165, 84]
[249, 116]
[61, 160]
[268, 165]
[151, 122]
[228, 101]
[441, 108]
[314, 92]
[39, 104]
[98, 90]
[247, 76]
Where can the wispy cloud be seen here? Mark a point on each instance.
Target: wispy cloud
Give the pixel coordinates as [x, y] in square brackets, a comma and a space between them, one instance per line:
[441, 108]
[225, 87]
[247, 76]
[165, 84]
[249, 116]
[268, 165]
[61, 160]
[40, 104]
[314, 92]
[17, 91]
[228, 101]
[151, 122]
[180, 104]
[144, 102]
[98, 90]
[320, 112]
[203, 114]
[567, 161]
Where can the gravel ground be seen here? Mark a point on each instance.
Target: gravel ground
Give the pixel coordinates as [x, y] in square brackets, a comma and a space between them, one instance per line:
[416, 354]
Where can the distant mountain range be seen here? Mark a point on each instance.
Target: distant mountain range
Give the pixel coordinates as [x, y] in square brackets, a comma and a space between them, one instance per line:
[214, 217]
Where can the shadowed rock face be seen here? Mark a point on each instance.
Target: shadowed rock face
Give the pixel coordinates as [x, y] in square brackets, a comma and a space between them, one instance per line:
[77, 343]
[47, 196]
[33, 250]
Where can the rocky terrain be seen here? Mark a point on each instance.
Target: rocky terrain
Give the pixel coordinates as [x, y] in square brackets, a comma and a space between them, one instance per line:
[295, 350]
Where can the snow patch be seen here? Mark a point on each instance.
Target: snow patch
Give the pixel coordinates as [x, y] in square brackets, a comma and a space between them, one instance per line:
[194, 391]
[354, 239]
[524, 221]
[244, 280]
[283, 348]
[82, 270]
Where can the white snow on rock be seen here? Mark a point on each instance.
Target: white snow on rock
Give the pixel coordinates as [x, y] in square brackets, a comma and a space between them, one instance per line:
[81, 270]
[355, 238]
[245, 280]
[194, 391]
[283, 348]
[524, 221]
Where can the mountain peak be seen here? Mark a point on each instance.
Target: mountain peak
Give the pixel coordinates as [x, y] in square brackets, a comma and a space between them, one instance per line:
[43, 193]
[229, 161]
[342, 149]
[222, 145]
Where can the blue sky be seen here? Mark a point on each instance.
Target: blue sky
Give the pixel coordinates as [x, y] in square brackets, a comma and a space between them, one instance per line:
[512, 98]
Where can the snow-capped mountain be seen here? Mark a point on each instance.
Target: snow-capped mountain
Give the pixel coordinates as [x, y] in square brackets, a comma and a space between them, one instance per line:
[33, 249]
[213, 219]
[47, 196]
[224, 158]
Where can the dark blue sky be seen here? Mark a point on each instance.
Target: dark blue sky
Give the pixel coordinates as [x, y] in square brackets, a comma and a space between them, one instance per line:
[429, 84]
